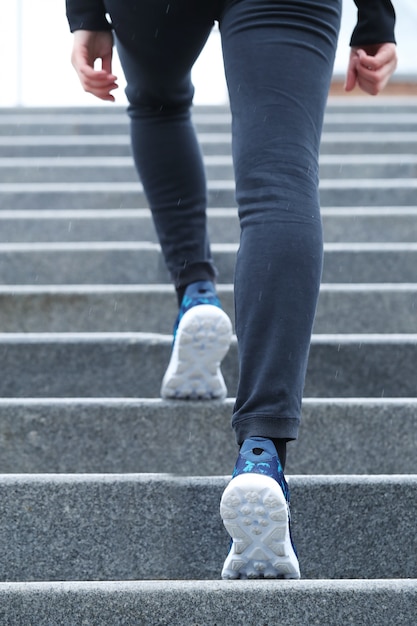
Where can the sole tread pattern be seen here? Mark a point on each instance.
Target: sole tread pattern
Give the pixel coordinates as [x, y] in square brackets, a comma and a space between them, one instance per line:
[255, 514]
[202, 341]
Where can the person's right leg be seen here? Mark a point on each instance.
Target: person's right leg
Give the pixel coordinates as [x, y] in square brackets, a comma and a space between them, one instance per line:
[278, 59]
[158, 43]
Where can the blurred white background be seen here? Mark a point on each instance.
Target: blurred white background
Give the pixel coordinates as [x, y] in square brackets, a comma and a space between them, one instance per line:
[35, 48]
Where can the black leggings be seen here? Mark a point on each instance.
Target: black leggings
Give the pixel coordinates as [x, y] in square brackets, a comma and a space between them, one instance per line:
[278, 57]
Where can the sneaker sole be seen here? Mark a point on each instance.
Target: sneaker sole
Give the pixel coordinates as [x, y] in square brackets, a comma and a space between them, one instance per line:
[202, 341]
[255, 514]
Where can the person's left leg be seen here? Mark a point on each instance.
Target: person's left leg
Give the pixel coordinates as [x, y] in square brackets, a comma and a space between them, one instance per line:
[158, 43]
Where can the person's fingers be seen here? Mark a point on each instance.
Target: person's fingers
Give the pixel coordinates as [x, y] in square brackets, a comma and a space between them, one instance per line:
[98, 77]
[351, 75]
[87, 48]
[373, 67]
[377, 57]
[369, 81]
[100, 86]
[97, 82]
[106, 63]
[102, 95]
[373, 81]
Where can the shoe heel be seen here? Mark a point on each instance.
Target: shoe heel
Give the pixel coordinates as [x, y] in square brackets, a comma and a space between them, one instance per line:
[255, 514]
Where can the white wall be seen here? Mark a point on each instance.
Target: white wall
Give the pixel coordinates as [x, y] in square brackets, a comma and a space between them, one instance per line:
[35, 47]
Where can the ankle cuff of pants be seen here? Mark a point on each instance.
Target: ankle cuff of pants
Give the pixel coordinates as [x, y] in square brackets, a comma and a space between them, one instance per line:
[272, 427]
[193, 272]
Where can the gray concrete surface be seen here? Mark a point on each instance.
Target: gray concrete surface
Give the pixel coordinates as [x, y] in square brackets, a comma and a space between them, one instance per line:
[149, 526]
[210, 603]
[70, 435]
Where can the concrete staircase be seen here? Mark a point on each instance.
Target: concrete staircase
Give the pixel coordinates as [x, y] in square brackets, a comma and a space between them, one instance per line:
[108, 496]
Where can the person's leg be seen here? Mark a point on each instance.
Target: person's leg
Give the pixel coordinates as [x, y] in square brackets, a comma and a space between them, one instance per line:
[158, 43]
[278, 60]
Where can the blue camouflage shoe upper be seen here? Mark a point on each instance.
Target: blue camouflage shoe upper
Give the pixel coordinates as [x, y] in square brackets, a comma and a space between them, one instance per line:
[200, 292]
[258, 455]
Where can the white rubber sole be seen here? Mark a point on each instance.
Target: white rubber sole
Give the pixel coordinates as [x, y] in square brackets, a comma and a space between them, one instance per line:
[202, 341]
[255, 514]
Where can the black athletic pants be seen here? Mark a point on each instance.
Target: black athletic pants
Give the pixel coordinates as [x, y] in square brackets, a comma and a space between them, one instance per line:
[278, 57]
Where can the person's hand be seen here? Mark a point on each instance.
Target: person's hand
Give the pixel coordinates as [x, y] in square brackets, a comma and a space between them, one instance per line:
[371, 67]
[88, 46]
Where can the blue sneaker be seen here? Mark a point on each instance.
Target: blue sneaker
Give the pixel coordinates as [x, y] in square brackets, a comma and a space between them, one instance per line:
[255, 511]
[202, 336]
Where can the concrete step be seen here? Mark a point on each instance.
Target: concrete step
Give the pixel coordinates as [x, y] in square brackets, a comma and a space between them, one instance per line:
[133, 262]
[341, 224]
[387, 142]
[121, 169]
[367, 308]
[133, 364]
[351, 104]
[343, 308]
[187, 603]
[370, 224]
[78, 125]
[221, 193]
[65, 196]
[156, 526]
[83, 121]
[84, 435]
[381, 105]
[74, 435]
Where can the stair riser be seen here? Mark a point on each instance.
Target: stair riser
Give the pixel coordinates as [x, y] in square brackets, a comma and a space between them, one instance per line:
[339, 311]
[9, 147]
[337, 437]
[336, 105]
[108, 174]
[126, 265]
[210, 603]
[15, 125]
[138, 527]
[131, 198]
[134, 367]
[398, 227]
[144, 264]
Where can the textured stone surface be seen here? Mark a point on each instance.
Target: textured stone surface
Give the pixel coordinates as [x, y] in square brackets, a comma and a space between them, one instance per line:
[341, 224]
[64, 196]
[345, 436]
[121, 169]
[134, 262]
[210, 603]
[93, 144]
[150, 308]
[367, 308]
[370, 224]
[104, 520]
[81, 121]
[133, 364]
[119, 527]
